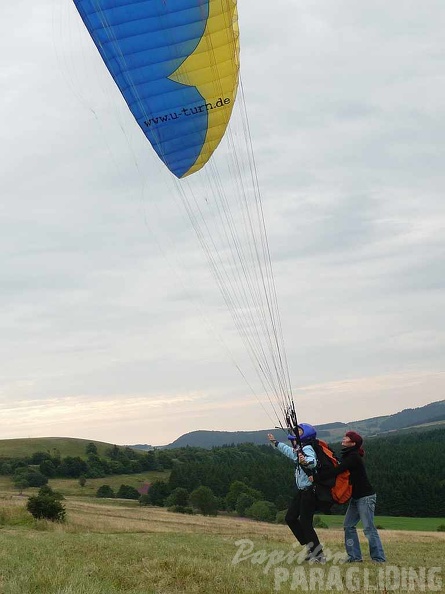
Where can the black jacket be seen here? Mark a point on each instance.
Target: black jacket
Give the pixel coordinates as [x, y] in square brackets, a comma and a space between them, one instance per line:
[352, 461]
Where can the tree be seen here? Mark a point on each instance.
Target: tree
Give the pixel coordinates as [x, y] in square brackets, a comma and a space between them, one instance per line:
[25, 477]
[47, 468]
[116, 467]
[21, 483]
[38, 457]
[97, 467]
[91, 449]
[149, 461]
[164, 459]
[179, 496]
[203, 499]
[136, 466]
[127, 492]
[235, 490]
[105, 491]
[36, 478]
[6, 468]
[243, 502]
[264, 511]
[158, 493]
[72, 466]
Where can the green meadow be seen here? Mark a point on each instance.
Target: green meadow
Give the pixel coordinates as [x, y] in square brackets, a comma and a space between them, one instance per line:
[106, 549]
[110, 546]
[66, 446]
[71, 487]
[392, 523]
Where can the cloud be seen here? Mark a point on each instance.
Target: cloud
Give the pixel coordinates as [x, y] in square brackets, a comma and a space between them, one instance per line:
[105, 292]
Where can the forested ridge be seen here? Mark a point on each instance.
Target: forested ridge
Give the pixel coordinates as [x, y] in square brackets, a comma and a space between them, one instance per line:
[407, 472]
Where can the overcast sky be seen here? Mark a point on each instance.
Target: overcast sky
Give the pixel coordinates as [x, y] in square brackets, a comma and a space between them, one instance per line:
[111, 325]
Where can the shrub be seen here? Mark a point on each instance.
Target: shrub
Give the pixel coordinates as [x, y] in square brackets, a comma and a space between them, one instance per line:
[264, 511]
[243, 502]
[204, 500]
[21, 483]
[178, 497]
[441, 528]
[6, 468]
[144, 499]
[127, 492]
[46, 490]
[280, 517]
[46, 505]
[34, 478]
[105, 491]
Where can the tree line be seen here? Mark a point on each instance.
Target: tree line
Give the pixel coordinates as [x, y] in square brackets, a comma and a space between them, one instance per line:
[35, 470]
[407, 472]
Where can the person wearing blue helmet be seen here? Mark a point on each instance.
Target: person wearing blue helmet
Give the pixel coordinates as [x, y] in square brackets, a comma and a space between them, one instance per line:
[300, 515]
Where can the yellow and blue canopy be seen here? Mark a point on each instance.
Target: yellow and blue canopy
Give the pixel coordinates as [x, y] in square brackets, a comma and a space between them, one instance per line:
[176, 63]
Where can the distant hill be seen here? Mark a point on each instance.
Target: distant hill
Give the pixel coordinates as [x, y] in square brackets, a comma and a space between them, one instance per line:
[66, 446]
[425, 417]
[411, 419]
[145, 447]
[210, 439]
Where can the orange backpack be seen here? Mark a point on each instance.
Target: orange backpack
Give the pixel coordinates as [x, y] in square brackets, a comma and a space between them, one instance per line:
[340, 488]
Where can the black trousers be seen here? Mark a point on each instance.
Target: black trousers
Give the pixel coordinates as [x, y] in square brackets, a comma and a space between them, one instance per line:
[300, 517]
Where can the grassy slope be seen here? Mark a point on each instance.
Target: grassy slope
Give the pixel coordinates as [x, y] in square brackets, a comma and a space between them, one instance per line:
[392, 523]
[71, 487]
[104, 549]
[67, 446]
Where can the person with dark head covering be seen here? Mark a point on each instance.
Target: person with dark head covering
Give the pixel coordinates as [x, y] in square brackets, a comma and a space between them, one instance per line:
[362, 502]
[300, 515]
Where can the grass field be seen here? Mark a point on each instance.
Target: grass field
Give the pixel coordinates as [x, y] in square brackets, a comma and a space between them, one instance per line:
[66, 446]
[113, 547]
[71, 487]
[390, 523]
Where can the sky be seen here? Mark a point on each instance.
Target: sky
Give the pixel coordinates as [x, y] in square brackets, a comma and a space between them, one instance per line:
[112, 327]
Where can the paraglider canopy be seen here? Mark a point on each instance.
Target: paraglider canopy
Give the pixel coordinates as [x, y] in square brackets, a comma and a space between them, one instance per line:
[176, 65]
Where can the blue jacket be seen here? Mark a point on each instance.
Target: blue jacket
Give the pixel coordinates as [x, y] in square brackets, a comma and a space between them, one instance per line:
[301, 477]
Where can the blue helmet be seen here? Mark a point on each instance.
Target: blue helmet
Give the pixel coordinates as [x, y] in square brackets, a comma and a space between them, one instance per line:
[309, 432]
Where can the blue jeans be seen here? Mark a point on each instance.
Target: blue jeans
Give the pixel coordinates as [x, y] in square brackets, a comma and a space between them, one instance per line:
[362, 509]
